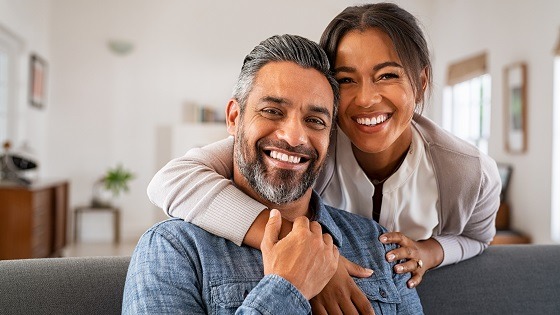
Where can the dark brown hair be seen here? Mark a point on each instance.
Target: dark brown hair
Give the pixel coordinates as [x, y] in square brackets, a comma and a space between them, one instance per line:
[404, 31]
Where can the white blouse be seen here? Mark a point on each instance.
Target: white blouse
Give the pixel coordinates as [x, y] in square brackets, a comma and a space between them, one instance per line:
[410, 195]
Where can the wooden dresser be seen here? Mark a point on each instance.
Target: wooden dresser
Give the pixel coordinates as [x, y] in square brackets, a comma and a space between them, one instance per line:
[33, 219]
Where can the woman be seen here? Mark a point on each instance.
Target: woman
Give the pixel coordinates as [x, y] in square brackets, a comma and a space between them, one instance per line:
[386, 161]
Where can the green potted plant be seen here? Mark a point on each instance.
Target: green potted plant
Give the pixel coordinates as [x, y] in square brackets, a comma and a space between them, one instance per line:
[111, 185]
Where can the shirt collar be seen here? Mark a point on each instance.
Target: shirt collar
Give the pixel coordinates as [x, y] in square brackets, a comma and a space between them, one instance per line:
[322, 215]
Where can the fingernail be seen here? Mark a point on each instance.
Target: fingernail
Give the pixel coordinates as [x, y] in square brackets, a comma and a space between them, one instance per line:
[273, 212]
[390, 257]
[383, 239]
[400, 268]
[369, 271]
[411, 284]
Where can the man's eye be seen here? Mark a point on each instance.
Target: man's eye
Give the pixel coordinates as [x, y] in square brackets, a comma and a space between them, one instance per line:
[271, 112]
[316, 123]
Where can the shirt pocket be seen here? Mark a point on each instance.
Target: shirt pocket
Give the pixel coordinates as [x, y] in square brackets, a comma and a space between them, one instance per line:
[382, 293]
[227, 295]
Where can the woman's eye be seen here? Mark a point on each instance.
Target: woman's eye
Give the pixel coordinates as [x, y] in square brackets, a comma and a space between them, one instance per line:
[388, 76]
[344, 80]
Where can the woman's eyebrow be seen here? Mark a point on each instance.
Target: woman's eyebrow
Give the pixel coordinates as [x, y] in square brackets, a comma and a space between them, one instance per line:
[375, 68]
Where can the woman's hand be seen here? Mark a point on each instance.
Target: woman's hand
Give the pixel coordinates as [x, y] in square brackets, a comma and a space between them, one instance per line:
[341, 295]
[420, 256]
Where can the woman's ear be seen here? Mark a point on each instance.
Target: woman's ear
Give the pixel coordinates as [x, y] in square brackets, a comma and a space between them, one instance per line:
[232, 116]
[424, 80]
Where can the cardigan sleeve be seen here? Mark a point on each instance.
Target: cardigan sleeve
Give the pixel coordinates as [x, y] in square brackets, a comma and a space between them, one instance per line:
[196, 187]
[479, 229]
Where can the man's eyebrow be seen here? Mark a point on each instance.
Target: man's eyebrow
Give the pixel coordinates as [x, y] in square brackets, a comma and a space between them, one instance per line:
[320, 110]
[274, 99]
[375, 68]
[284, 101]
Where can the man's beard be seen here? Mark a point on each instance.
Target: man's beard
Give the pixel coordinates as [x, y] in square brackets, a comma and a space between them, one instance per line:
[279, 186]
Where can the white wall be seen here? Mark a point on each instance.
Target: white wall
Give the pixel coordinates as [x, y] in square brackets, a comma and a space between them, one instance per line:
[510, 31]
[107, 108]
[104, 108]
[29, 22]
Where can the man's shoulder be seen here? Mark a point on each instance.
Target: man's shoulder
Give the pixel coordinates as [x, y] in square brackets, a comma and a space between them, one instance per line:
[178, 229]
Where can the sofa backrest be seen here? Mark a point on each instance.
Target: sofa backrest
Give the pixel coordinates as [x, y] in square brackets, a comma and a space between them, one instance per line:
[506, 279]
[84, 285]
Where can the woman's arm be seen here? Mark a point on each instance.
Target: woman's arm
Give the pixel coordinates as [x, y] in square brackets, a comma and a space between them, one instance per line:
[197, 186]
[441, 250]
[480, 227]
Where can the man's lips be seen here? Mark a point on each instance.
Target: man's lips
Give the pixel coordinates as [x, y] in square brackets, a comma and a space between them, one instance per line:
[287, 157]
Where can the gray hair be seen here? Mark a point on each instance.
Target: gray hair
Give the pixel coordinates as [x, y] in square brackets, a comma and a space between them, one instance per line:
[292, 48]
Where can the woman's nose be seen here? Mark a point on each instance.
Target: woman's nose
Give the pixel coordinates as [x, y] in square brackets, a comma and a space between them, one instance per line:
[368, 94]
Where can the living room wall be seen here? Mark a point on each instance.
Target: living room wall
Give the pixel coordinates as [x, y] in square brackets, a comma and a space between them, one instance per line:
[105, 108]
[29, 22]
[509, 31]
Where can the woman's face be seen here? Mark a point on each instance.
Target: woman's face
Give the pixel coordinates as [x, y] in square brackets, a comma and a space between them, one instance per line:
[376, 97]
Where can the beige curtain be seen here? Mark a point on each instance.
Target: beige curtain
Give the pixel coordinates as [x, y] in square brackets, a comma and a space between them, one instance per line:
[467, 69]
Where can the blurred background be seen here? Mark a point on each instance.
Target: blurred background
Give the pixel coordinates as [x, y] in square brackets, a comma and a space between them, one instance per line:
[86, 85]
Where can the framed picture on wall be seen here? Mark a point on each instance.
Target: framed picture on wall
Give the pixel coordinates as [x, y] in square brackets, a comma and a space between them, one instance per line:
[515, 98]
[37, 81]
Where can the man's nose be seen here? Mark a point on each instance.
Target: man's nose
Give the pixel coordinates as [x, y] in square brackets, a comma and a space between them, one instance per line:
[293, 131]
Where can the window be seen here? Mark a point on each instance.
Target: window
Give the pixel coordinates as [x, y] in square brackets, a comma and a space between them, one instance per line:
[466, 101]
[555, 215]
[3, 94]
[10, 48]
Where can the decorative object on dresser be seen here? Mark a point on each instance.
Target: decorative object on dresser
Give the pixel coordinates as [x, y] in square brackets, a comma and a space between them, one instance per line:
[33, 219]
[14, 165]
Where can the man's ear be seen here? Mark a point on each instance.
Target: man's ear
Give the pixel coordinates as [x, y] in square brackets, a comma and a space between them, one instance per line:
[232, 116]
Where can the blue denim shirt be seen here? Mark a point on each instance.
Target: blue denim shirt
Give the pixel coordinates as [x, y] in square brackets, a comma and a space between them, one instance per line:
[178, 268]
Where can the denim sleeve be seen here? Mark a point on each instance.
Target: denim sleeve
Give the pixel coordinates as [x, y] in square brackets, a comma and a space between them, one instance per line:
[162, 277]
[274, 295]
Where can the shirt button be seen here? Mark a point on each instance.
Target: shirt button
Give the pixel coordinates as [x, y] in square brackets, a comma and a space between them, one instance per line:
[383, 293]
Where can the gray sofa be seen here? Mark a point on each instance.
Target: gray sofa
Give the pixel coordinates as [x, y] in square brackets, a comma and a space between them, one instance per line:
[514, 279]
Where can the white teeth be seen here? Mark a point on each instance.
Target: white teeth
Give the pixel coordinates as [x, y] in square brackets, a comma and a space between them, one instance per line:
[284, 157]
[372, 121]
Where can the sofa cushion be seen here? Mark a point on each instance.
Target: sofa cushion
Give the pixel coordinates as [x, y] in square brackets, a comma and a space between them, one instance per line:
[86, 285]
[505, 279]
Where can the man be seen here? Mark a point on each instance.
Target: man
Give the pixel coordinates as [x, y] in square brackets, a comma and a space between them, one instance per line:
[281, 115]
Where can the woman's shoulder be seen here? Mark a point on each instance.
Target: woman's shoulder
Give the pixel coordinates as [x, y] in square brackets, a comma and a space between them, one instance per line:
[439, 139]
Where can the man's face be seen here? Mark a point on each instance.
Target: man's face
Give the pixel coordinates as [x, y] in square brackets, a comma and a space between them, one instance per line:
[281, 139]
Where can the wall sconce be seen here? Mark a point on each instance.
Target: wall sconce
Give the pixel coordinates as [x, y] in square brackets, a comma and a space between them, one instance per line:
[120, 47]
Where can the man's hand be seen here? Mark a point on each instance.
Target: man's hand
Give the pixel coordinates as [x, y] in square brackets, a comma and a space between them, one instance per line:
[305, 257]
[342, 295]
[420, 256]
